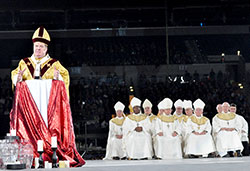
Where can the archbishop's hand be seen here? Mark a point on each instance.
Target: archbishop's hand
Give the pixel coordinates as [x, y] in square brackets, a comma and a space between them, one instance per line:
[20, 75]
[56, 74]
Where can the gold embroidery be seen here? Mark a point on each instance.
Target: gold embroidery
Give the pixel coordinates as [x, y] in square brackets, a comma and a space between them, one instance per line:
[199, 121]
[48, 65]
[28, 63]
[117, 121]
[137, 118]
[179, 118]
[165, 118]
[185, 118]
[152, 117]
[225, 116]
[48, 75]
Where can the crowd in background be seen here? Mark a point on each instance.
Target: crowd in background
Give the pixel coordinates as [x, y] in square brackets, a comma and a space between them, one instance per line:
[6, 95]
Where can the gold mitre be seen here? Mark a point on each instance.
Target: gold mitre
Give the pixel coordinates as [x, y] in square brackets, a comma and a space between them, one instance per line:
[41, 35]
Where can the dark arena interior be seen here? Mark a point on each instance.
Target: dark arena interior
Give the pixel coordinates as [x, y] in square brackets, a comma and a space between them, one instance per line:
[151, 49]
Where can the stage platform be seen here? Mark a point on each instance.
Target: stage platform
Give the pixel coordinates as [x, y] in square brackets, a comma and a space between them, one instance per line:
[203, 164]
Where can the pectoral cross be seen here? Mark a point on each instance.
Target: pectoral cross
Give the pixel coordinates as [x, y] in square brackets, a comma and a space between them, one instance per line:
[168, 125]
[198, 127]
[227, 123]
[137, 124]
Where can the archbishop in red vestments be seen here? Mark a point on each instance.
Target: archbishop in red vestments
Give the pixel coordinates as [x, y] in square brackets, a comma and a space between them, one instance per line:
[25, 116]
[29, 124]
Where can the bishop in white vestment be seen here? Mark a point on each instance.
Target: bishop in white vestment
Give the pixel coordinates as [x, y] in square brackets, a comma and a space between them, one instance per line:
[167, 139]
[115, 148]
[187, 104]
[147, 107]
[199, 140]
[226, 128]
[136, 132]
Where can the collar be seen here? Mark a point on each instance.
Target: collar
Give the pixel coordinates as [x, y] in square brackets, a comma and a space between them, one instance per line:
[137, 114]
[44, 59]
[119, 117]
[177, 114]
[149, 114]
[198, 116]
[166, 114]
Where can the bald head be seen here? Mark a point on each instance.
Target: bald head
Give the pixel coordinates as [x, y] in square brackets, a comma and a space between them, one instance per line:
[219, 108]
[225, 107]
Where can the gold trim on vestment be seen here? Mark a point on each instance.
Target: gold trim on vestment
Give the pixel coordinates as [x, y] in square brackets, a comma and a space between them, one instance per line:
[225, 116]
[199, 121]
[117, 121]
[137, 118]
[165, 118]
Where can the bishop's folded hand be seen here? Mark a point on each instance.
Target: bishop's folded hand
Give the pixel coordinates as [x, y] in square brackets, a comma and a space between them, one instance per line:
[138, 129]
[160, 134]
[119, 136]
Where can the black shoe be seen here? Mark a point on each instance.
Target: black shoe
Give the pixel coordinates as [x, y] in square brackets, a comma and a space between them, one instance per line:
[192, 156]
[158, 158]
[227, 155]
[238, 153]
[116, 158]
[231, 153]
[144, 158]
[211, 155]
[124, 158]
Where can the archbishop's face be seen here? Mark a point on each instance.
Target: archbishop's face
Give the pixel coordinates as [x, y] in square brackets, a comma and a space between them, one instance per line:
[40, 49]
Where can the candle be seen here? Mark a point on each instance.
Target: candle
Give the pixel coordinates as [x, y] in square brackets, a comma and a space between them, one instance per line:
[46, 164]
[36, 162]
[67, 164]
[54, 142]
[49, 165]
[12, 132]
[40, 145]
